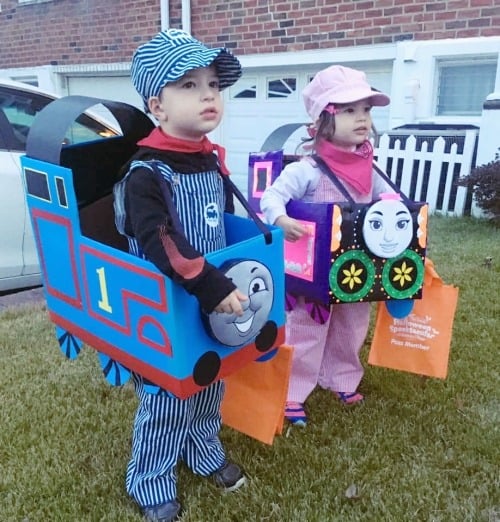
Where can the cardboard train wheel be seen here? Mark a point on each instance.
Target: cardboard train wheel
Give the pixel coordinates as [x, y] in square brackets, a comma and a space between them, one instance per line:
[69, 344]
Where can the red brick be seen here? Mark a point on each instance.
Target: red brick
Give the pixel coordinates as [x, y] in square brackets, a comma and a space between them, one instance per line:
[479, 22]
[468, 33]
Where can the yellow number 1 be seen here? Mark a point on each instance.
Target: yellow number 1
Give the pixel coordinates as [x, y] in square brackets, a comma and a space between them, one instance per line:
[104, 301]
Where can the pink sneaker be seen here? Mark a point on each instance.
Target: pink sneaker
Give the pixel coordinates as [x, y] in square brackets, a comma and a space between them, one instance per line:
[349, 398]
[295, 414]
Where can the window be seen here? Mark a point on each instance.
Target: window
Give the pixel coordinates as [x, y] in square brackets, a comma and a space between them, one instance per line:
[281, 87]
[245, 89]
[463, 87]
[20, 109]
[34, 1]
[29, 80]
[37, 184]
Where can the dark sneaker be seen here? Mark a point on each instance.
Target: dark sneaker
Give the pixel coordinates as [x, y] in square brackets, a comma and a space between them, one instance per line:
[167, 512]
[229, 477]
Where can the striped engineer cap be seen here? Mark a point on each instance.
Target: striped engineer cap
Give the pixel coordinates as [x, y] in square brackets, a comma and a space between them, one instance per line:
[170, 55]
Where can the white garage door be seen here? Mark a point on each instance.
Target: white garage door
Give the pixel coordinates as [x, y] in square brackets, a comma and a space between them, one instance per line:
[117, 88]
[262, 100]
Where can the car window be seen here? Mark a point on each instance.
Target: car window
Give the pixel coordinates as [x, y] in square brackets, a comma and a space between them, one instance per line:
[20, 109]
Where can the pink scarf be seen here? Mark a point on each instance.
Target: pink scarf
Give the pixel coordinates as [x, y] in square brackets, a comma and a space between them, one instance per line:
[157, 139]
[354, 167]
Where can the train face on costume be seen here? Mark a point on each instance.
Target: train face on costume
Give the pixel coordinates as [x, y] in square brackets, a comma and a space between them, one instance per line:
[256, 281]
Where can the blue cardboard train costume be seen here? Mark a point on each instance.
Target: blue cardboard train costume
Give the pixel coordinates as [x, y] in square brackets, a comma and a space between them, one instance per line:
[99, 294]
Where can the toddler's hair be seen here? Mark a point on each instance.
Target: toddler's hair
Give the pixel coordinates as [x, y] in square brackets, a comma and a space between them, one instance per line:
[325, 130]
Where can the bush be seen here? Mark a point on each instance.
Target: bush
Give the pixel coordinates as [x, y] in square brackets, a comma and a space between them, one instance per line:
[484, 182]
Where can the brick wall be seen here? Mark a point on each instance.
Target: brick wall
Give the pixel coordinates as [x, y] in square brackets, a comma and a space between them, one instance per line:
[60, 32]
[90, 31]
[264, 26]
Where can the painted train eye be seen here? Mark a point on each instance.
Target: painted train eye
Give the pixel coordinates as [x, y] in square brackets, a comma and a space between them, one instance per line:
[375, 224]
[402, 224]
[257, 285]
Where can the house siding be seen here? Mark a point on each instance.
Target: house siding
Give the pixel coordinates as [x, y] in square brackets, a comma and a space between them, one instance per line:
[72, 32]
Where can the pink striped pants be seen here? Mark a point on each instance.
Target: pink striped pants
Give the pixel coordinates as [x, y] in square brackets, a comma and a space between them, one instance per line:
[326, 354]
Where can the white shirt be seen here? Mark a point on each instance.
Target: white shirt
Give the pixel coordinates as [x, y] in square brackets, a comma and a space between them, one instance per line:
[298, 181]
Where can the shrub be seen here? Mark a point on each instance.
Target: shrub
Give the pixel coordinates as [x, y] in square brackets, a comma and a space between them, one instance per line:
[484, 182]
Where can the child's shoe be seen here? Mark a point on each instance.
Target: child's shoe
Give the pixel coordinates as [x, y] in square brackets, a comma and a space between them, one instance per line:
[229, 477]
[295, 414]
[168, 512]
[349, 398]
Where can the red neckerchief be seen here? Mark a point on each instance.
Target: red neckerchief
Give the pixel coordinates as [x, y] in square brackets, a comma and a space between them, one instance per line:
[355, 167]
[157, 139]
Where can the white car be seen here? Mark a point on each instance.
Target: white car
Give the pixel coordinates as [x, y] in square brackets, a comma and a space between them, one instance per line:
[19, 104]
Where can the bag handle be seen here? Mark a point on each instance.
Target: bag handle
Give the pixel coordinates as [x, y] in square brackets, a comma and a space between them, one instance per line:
[432, 278]
[241, 198]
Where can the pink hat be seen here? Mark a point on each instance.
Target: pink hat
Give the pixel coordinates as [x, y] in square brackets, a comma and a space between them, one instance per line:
[338, 84]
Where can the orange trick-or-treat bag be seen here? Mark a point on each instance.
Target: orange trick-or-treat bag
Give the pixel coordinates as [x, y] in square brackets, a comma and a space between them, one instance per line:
[415, 336]
[255, 396]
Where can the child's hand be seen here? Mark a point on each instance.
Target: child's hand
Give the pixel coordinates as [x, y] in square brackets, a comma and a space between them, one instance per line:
[291, 227]
[231, 304]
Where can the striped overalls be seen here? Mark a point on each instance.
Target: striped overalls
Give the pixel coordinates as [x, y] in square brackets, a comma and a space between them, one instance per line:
[166, 428]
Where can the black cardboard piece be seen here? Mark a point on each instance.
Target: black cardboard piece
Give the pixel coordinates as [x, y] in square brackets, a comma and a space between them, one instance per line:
[46, 136]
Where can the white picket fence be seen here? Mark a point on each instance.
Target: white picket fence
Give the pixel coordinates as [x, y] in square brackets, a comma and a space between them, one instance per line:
[427, 164]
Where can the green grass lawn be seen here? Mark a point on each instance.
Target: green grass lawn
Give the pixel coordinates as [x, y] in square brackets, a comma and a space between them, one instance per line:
[418, 449]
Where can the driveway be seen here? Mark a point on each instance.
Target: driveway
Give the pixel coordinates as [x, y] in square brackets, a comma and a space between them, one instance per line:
[34, 295]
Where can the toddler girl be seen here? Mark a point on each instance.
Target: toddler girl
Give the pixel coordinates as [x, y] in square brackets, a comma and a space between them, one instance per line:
[339, 101]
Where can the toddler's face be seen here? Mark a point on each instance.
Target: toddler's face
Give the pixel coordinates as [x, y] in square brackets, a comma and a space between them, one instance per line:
[353, 123]
[190, 107]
